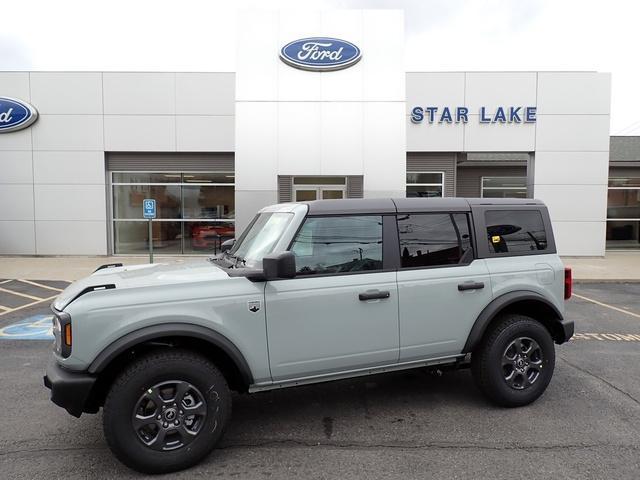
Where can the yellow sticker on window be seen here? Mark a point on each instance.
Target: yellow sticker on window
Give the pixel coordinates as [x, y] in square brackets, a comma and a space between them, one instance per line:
[495, 239]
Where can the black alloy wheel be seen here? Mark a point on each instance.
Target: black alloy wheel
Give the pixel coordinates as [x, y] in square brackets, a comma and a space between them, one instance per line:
[166, 411]
[522, 363]
[514, 362]
[169, 415]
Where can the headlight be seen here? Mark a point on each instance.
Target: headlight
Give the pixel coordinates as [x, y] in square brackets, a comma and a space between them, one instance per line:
[57, 338]
[62, 333]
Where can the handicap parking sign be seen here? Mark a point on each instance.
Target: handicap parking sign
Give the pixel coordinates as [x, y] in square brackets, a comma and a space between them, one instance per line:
[149, 208]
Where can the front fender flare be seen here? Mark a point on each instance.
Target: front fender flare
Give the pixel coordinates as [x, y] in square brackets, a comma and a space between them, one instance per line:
[500, 303]
[145, 334]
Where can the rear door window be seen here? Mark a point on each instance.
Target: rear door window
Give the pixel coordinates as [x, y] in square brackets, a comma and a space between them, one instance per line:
[433, 239]
[515, 231]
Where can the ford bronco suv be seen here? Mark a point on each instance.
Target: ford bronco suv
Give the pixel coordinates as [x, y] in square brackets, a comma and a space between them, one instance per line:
[311, 292]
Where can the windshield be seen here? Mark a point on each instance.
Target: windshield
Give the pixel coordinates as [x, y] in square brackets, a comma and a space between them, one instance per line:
[260, 237]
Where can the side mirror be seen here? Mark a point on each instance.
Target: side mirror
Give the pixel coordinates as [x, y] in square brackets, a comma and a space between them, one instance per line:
[227, 244]
[279, 265]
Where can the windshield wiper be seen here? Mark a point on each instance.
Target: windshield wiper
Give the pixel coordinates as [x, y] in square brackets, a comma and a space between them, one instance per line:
[232, 259]
[225, 259]
[238, 260]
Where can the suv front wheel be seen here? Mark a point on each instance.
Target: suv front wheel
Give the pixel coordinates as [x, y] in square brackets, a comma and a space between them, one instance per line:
[514, 362]
[166, 411]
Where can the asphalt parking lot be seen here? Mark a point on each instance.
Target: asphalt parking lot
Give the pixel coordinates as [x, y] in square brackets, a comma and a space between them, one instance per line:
[404, 425]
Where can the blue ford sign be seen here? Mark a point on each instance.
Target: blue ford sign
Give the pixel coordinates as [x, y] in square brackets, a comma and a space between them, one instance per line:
[320, 54]
[15, 114]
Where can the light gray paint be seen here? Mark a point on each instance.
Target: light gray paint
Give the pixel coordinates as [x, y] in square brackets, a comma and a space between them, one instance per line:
[435, 318]
[293, 336]
[368, 330]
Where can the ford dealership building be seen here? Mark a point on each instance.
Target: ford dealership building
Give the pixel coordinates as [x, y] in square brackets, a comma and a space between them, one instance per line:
[320, 107]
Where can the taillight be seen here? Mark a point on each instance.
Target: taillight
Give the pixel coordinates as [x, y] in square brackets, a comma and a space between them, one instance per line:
[568, 283]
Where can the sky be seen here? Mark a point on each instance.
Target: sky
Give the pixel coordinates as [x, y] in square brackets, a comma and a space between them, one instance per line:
[441, 35]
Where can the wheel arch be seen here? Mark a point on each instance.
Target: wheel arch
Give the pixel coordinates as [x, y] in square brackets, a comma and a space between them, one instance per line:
[524, 302]
[209, 343]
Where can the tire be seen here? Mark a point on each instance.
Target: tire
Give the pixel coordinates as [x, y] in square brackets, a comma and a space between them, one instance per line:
[514, 362]
[170, 377]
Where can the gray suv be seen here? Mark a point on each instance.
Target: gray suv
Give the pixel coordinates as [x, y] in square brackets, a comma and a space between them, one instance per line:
[311, 292]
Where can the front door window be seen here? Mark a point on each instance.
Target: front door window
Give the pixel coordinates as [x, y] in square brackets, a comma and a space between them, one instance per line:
[339, 244]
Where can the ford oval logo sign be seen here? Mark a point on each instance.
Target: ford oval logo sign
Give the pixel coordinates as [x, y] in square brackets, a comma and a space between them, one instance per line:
[320, 54]
[15, 114]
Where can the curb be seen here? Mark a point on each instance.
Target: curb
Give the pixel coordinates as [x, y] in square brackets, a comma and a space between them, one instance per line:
[605, 280]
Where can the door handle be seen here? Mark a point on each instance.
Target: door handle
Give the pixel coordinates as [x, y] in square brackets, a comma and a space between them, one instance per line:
[470, 286]
[373, 295]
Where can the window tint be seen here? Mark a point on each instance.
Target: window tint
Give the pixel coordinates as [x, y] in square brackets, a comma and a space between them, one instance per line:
[433, 239]
[515, 231]
[338, 244]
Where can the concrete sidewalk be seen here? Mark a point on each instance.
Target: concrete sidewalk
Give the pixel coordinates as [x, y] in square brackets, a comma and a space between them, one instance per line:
[615, 267]
[72, 268]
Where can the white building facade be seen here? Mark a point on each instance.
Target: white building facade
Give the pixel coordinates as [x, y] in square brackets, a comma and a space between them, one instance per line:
[212, 148]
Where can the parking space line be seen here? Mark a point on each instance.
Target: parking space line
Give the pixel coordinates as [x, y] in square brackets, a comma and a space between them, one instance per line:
[606, 305]
[36, 284]
[20, 294]
[2, 307]
[11, 310]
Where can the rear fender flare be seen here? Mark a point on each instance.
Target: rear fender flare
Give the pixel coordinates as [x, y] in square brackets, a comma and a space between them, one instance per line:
[498, 305]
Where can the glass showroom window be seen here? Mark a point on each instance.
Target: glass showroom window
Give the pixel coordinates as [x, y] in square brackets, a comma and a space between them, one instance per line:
[195, 211]
[623, 212]
[425, 184]
[504, 187]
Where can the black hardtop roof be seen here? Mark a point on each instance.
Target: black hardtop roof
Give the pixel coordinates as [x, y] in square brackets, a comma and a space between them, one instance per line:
[392, 205]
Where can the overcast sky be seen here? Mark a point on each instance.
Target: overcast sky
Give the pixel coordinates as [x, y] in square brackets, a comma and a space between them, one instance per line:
[440, 35]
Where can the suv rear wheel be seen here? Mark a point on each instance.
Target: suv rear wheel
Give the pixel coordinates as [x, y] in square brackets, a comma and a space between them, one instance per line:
[166, 411]
[514, 362]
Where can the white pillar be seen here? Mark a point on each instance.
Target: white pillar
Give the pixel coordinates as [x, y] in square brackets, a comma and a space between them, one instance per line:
[297, 122]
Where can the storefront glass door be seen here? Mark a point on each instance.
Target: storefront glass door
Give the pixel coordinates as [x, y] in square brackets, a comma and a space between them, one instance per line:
[623, 213]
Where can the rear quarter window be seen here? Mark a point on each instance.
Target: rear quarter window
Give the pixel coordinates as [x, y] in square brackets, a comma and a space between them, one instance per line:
[515, 231]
